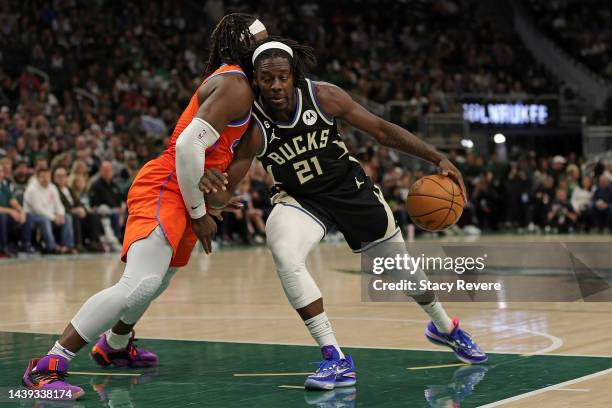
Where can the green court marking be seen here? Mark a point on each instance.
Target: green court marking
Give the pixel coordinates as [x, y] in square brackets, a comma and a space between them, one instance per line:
[270, 374]
[89, 373]
[201, 374]
[431, 367]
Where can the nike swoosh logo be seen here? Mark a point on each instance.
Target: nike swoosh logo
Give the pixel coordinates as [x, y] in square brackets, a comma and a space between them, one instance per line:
[193, 208]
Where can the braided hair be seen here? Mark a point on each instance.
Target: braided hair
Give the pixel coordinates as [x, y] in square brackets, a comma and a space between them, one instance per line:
[301, 63]
[230, 43]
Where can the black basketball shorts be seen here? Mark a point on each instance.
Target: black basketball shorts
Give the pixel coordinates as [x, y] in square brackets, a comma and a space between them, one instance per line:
[356, 208]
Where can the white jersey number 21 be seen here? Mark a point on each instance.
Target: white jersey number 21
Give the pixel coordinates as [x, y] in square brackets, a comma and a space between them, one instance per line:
[304, 171]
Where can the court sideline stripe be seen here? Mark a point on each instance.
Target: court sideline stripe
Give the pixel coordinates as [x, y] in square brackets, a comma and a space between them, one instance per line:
[573, 389]
[556, 342]
[212, 340]
[437, 366]
[546, 389]
[109, 374]
[268, 374]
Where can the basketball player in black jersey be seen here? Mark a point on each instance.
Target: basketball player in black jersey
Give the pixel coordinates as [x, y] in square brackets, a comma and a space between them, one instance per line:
[318, 184]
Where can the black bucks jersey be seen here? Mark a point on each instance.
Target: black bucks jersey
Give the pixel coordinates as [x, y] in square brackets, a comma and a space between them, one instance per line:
[315, 173]
[306, 156]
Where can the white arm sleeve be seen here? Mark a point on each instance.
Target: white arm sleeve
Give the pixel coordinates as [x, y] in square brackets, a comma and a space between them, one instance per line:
[190, 149]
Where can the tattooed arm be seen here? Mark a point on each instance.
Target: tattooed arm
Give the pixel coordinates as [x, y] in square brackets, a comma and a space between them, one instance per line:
[336, 103]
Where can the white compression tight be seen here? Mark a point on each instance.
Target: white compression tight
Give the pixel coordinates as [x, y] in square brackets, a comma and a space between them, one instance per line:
[291, 235]
[145, 277]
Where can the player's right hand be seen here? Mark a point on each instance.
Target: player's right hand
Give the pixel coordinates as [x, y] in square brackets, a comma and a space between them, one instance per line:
[212, 181]
[446, 168]
[205, 229]
[235, 203]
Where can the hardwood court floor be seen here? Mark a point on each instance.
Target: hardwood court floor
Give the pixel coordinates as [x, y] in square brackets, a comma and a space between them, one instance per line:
[234, 296]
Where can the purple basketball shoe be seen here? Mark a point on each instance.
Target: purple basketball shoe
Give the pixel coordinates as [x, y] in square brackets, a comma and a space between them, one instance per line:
[131, 356]
[333, 372]
[48, 374]
[459, 341]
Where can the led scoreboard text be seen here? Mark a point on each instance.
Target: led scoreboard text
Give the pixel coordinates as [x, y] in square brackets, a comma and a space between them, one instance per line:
[505, 114]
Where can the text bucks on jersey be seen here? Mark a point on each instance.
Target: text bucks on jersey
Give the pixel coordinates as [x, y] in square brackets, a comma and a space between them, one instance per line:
[307, 155]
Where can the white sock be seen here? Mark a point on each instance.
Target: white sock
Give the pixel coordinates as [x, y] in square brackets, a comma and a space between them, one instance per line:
[61, 351]
[117, 341]
[321, 330]
[439, 317]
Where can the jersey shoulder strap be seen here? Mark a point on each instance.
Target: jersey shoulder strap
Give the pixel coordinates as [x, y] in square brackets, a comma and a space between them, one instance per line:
[225, 69]
[312, 93]
[264, 126]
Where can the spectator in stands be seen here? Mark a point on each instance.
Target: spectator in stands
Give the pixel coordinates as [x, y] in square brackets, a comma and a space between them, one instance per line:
[105, 198]
[573, 178]
[43, 204]
[397, 203]
[7, 164]
[543, 198]
[235, 224]
[78, 185]
[260, 183]
[561, 216]
[21, 175]
[541, 173]
[517, 198]
[581, 201]
[79, 168]
[256, 223]
[602, 204]
[12, 216]
[484, 197]
[557, 169]
[87, 226]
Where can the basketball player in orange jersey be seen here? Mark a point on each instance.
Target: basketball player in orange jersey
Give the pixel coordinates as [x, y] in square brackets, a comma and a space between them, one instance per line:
[167, 213]
[319, 185]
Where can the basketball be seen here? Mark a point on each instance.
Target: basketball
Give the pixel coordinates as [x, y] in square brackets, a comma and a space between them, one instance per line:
[434, 202]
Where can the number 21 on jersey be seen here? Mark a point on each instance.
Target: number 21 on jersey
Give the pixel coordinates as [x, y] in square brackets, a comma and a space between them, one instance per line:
[304, 171]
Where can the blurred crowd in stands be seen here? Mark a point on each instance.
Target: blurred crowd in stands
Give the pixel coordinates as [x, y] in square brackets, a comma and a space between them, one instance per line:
[90, 91]
[584, 31]
[423, 57]
[582, 28]
[526, 194]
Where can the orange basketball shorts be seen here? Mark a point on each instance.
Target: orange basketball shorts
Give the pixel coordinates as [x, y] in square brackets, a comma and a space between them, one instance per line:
[155, 199]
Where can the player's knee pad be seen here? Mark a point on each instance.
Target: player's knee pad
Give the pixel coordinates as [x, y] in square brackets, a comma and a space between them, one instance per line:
[286, 256]
[300, 288]
[289, 250]
[143, 292]
[165, 282]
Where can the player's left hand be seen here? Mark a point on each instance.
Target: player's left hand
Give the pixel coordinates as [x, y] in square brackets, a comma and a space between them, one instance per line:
[212, 181]
[205, 229]
[446, 168]
[235, 203]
